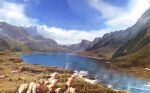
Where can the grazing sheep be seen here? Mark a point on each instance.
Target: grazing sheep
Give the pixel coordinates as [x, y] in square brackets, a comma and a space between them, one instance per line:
[54, 75]
[23, 88]
[30, 87]
[2, 76]
[71, 90]
[46, 82]
[63, 89]
[40, 86]
[74, 75]
[34, 88]
[51, 80]
[69, 82]
[52, 86]
[54, 82]
[14, 71]
[58, 90]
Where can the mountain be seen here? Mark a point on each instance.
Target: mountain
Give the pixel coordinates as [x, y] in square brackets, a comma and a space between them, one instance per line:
[118, 38]
[4, 45]
[23, 38]
[84, 44]
[141, 40]
[135, 53]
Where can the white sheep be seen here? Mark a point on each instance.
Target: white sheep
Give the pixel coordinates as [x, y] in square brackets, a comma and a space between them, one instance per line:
[23, 88]
[58, 90]
[34, 88]
[30, 87]
[69, 82]
[52, 86]
[71, 90]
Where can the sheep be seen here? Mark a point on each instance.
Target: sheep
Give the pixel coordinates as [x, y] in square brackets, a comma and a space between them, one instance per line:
[74, 75]
[30, 87]
[69, 82]
[23, 88]
[58, 90]
[34, 88]
[14, 71]
[2, 76]
[54, 75]
[52, 86]
[38, 87]
[71, 90]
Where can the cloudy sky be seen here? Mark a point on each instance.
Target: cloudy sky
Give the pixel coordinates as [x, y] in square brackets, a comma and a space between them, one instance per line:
[70, 21]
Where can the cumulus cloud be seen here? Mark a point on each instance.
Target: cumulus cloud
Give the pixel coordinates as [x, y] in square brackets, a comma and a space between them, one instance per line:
[14, 14]
[64, 36]
[117, 19]
[120, 18]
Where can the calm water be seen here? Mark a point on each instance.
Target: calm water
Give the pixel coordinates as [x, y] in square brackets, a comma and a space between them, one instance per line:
[74, 62]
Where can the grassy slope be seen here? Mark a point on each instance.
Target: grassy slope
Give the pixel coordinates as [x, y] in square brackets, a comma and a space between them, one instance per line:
[133, 45]
[135, 63]
[139, 58]
[136, 52]
[101, 53]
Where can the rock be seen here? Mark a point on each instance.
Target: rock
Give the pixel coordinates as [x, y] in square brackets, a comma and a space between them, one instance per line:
[16, 60]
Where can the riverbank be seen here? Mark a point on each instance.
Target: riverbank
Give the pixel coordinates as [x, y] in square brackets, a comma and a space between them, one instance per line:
[141, 72]
[137, 71]
[14, 72]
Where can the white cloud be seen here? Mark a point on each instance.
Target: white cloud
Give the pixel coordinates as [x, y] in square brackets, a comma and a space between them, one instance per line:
[107, 10]
[64, 36]
[120, 18]
[14, 14]
[117, 19]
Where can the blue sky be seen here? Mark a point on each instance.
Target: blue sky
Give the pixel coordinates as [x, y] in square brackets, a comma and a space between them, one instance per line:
[70, 21]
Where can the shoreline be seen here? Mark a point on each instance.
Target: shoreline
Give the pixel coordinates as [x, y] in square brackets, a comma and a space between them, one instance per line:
[32, 72]
[139, 72]
[111, 66]
[90, 57]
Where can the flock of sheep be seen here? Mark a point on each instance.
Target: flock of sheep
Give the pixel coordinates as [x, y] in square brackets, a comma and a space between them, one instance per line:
[48, 85]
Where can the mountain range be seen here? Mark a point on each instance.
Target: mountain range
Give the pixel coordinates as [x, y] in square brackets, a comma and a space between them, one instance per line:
[21, 38]
[112, 45]
[124, 42]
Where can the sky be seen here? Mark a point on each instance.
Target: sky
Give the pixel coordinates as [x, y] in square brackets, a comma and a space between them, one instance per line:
[70, 21]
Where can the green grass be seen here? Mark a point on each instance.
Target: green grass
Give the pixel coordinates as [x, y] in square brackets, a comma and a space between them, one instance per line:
[142, 39]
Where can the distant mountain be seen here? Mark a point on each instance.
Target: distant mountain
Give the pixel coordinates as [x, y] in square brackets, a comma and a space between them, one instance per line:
[118, 38]
[20, 38]
[84, 44]
[140, 41]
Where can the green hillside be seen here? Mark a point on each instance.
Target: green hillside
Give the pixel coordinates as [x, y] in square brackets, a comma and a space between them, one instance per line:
[142, 39]
[136, 52]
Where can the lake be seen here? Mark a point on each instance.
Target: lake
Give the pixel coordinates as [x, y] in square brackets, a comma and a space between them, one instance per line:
[74, 62]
